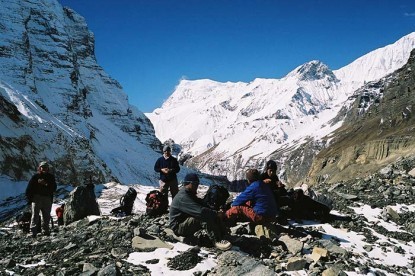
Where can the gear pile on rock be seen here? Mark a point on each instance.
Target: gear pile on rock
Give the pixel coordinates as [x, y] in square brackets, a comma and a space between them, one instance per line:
[101, 245]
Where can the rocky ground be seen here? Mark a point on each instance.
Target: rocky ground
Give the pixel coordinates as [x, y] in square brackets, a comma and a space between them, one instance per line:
[102, 245]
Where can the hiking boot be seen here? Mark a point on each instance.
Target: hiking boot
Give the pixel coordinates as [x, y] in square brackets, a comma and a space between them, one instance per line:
[223, 245]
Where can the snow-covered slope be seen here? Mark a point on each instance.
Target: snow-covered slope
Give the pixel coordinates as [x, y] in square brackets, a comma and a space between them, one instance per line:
[227, 127]
[59, 104]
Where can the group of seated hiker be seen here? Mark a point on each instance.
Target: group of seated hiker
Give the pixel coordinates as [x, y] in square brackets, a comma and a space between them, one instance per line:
[259, 204]
[265, 200]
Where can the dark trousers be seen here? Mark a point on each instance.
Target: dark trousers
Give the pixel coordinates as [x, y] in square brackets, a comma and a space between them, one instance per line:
[214, 228]
[41, 204]
[173, 185]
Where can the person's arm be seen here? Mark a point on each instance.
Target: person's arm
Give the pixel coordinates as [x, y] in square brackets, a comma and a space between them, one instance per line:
[176, 166]
[157, 167]
[54, 186]
[29, 190]
[196, 210]
[245, 196]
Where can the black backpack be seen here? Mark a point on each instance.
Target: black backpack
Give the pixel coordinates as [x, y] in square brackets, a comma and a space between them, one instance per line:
[23, 221]
[156, 203]
[126, 203]
[216, 196]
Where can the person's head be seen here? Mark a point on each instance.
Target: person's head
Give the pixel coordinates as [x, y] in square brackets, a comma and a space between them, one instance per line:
[43, 167]
[166, 151]
[252, 175]
[271, 168]
[191, 182]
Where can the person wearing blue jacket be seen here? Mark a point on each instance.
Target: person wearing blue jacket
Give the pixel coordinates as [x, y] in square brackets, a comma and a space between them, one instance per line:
[168, 167]
[256, 204]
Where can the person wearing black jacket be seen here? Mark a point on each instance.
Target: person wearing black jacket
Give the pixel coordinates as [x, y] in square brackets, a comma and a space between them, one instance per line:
[269, 176]
[168, 167]
[188, 214]
[39, 193]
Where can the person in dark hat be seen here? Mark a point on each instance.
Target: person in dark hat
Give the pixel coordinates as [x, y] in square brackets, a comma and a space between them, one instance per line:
[188, 214]
[256, 204]
[39, 193]
[168, 167]
[269, 176]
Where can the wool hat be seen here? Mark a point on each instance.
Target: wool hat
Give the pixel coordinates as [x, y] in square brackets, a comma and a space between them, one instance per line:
[271, 165]
[166, 148]
[191, 178]
[43, 164]
[252, 175]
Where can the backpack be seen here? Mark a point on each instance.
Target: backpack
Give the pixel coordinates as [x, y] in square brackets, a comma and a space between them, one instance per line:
[126, 202]
[156, 203]
[323, 199]
[216, 196]
[23, 221]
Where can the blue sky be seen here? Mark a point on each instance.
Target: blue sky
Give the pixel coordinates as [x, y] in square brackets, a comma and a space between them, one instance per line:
[149, 45]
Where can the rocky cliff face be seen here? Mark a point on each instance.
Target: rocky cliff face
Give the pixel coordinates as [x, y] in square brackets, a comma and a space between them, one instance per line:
[58, 104]
[378, 129]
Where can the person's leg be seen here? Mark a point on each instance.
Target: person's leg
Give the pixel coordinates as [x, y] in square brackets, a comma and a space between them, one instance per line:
[164, 187]
[242, 214]
[174, 188]
[35, 216]
[215, 229]
[46, 209]
[188, 227]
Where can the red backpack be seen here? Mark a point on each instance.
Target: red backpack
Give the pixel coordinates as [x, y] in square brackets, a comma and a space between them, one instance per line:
[156, 203]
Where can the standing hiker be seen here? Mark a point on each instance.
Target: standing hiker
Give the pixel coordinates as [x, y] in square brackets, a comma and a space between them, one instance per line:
[168, 167]
[39, 193]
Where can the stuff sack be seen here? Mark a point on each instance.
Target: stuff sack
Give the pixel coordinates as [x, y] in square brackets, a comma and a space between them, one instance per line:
[216, 196]
[23, 221]
[156, 203]
[304, 207]
[323, 199]
[126, 202]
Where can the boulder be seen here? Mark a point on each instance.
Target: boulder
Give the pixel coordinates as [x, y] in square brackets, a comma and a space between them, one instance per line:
[293, 246]
[149, 242]
[82, 203]
[296, 263]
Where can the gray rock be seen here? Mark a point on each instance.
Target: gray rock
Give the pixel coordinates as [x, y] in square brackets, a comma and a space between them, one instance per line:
[149, 242]
[109, 270]
[293, 246]
[296, 263]
[81, 203]
[236, 263]
[347, 196]
[392, 213]
[89, 268]
[332, 248]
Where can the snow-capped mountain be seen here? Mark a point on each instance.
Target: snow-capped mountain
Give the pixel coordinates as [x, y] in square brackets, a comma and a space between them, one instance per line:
[224, 128]
[58, 104]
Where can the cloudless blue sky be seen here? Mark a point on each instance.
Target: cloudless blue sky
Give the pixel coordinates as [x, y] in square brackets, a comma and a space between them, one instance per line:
[149, 45]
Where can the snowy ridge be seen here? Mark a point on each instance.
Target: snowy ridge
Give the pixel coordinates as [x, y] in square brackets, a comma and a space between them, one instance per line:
[229, 126]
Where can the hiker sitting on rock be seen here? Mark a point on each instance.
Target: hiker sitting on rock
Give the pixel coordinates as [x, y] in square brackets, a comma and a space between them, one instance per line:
[269, 176]
[188, 214]
[256, 204]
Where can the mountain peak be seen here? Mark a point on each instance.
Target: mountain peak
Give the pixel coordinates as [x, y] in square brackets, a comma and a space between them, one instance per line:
[312, 70]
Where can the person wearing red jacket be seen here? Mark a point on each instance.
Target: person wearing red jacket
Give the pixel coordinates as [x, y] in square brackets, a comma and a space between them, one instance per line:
[59, 213]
